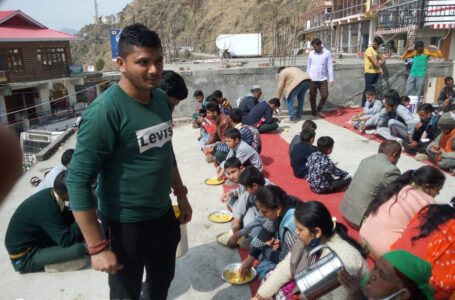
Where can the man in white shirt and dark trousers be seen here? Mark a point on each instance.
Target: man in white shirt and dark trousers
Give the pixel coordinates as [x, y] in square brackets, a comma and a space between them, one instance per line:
[320, 69]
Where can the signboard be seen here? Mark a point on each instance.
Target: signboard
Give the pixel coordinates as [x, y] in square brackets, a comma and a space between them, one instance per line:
[114, 36]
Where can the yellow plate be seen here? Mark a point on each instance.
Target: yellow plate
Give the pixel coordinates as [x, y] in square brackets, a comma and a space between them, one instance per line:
[176, 211]
[213, 181]
[224, 237]
[221, 216]
[231, 274]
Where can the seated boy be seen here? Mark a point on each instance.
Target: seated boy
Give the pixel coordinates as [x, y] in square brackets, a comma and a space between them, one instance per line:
[372, 107]
[447, 95]
[199, 96]
[240, 149]
[321, 169]
[373, 174]
[296, 139]
[233, 168]
[247, 221]
[42, 233]
[405, 101]
[207, 119]
[249, 134]
[442, 149]
[426, 131]
[301, 151]
[396, 122]
[261, 116]
[224, 104]
[216, 143]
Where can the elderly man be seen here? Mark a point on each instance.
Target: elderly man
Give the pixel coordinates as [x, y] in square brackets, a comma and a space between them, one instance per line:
[249, 101]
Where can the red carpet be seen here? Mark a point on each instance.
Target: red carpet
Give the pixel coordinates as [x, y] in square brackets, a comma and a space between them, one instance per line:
[277, 168]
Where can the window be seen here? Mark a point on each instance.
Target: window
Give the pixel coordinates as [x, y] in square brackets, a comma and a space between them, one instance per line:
[11, 59]
[50, 57]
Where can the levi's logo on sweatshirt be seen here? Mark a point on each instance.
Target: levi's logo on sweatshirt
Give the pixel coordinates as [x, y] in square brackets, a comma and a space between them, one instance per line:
[155, 136]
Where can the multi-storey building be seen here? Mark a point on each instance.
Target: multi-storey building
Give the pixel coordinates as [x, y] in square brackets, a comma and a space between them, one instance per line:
[34, 69]
[316, 22]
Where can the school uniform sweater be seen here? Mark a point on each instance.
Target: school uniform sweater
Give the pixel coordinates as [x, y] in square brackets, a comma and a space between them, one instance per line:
[41, 222]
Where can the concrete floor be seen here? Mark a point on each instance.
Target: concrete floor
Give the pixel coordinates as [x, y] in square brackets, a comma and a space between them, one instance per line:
[198, 273]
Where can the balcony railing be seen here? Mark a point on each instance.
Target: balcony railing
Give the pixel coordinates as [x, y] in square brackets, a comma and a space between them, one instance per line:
[401, 15]
[349, 11]
[439, 11]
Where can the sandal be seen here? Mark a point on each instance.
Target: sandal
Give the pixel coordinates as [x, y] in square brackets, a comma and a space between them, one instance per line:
[35, 181]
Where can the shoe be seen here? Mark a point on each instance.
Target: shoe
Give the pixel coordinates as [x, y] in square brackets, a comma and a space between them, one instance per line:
[68, 266]
[371, 131]
[321, 114]
[421, 156]
[210, 158]
[293, 121]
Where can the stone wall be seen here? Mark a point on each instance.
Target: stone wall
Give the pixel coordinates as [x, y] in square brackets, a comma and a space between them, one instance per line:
[349, 83]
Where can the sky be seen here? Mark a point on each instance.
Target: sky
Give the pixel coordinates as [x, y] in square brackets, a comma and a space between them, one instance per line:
[58, 14]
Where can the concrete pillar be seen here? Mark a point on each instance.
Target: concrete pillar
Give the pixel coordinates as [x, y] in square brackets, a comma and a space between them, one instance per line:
[44, 94]
[452, 50]
[71, 92]
[359, 37]
[349, 39]
[341, 39]
[372, 30]
[3, 119]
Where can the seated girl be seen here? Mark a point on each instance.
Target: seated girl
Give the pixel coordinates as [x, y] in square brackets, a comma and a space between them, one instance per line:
[390, 212]
[315, 226]
[396, 275]
[431, 235]
[277, 235]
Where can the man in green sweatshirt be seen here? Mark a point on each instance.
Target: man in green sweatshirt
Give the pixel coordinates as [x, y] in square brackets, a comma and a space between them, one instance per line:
[42, 233]
[125, 143]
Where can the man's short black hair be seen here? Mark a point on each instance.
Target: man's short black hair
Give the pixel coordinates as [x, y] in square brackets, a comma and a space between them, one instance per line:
[280, 69]
[60, 184]
[448, 78]
[426, 107]
[378, 40]
[213, 107]
[137, 35]
[212, 98]
[232, 163]
[198, 93]
[66, 157]
[316, 41]
[393, 95]
[307, 134]
[309, 124]
[236, 115]
[419, 44]
[174, 85]
[405, 99]
[233, 133]
[370, 93]
[325, 143]
[275, 101]
[250, 176]
[217, 94]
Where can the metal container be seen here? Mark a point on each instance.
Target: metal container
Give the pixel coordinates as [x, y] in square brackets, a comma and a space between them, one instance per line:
[182, 248]
[321, 277]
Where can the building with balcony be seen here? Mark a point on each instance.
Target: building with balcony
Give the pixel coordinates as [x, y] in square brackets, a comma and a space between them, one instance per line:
[34, 69]
[354, 24]
[316, 23]
[405, 21]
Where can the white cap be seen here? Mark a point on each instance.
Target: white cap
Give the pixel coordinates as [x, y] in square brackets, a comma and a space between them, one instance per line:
[256, 87]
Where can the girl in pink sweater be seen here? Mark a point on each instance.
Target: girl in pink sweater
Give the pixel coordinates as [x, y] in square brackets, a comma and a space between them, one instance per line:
[388, 215]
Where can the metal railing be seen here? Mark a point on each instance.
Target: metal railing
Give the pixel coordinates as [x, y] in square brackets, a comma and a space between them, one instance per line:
[440, 11]
[349, 11]
[401, 15]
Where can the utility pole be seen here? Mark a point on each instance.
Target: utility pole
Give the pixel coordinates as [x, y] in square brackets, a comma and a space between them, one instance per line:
[97, 17]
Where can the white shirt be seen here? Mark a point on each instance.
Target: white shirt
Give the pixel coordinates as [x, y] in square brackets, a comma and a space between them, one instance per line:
[48, 180]
[320, 66]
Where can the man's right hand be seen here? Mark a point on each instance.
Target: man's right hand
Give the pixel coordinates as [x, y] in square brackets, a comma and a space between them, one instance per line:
[106, 261]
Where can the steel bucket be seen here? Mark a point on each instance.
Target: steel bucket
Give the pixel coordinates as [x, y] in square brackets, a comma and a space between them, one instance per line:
[321, 277]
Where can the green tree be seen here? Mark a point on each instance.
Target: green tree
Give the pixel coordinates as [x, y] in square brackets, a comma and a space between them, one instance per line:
[99, 65]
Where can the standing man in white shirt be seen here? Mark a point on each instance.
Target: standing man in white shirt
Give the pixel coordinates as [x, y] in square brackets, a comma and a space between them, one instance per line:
[320, 69]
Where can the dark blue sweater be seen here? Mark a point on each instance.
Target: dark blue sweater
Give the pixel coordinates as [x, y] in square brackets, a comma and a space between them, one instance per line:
[262, 109]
